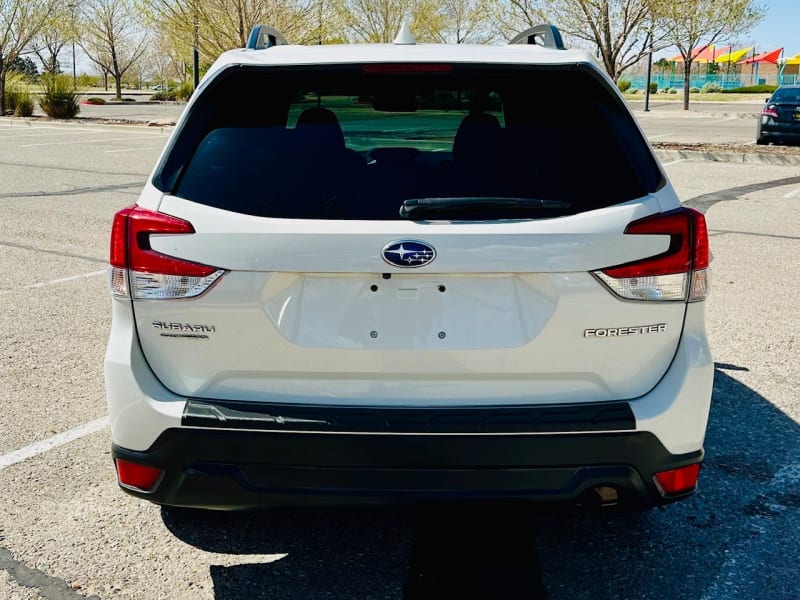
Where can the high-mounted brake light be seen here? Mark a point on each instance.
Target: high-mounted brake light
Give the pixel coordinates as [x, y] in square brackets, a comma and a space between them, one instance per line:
[680, 273]
[405, 68]
[153, 275]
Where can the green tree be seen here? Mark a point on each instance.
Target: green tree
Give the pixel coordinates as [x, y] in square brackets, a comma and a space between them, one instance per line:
[466, 21]
[379, 21]
[622, 31]
[215, 26]
[696, 23]
[20, 20]
[113, 37]
[59, 30]
[25, 66]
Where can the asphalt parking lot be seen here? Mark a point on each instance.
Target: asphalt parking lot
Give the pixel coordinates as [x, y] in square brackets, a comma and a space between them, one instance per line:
[67, 532]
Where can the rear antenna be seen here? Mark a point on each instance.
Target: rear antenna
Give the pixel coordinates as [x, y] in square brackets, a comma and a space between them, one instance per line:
[404, 36]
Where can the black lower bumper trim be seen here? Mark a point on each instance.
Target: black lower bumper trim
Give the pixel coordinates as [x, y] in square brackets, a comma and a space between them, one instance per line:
[223, 414]
[226, 469]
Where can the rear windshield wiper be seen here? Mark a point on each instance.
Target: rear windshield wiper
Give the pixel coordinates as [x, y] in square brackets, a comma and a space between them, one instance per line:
[468, 207]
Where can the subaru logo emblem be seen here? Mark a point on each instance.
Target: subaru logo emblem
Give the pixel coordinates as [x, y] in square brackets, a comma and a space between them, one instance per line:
[408, 253]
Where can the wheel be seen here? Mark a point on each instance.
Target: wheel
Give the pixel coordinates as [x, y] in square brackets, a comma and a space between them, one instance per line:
[761, 141]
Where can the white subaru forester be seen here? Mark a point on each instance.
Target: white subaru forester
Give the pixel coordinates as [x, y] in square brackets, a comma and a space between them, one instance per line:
[408, 272]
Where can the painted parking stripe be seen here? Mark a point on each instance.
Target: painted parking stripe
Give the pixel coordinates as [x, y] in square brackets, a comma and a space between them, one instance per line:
[125, 139]
[42, 284]
[673, 162]
[33, 135]
[793, 193]
[133, 149]
[37, 448]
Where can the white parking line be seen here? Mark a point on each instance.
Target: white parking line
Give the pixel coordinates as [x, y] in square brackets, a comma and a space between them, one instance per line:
[54, 281]
[125, 139]
[721, 120]
[673, 162]
[660, 135]
[133, 149]
[32, 135]
[792, 194]
[12, 458]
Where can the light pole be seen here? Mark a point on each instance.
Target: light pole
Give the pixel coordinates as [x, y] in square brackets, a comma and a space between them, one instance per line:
[195, 52]
[649, 73]
[72, 6]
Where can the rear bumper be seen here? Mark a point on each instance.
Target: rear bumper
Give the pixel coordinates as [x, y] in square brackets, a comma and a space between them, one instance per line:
[779, 133]
[235, 469]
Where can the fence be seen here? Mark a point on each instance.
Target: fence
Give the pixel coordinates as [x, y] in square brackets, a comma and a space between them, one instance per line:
[724, 81]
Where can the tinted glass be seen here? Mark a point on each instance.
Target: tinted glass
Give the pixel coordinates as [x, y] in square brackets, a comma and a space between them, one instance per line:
[353, 143]
[786, 95]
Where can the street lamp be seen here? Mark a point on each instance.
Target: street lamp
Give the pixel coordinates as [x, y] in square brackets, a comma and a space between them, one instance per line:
[649, 72]
[195, 52]
[72, 7]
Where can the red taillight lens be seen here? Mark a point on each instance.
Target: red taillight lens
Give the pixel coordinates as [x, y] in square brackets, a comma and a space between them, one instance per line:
[143, 223]
[677, 481]
[140, 477]
[678, 273]
[768, 111]
[153, 275]
[681, 225]
[119, 236]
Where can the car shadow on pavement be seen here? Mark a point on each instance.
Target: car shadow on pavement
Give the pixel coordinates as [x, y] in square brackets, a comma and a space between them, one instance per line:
[724, 542]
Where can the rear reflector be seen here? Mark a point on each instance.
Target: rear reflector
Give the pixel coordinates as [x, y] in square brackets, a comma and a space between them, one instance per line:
[142, 478]
[677, 481]
[151, 274]
[676, 274]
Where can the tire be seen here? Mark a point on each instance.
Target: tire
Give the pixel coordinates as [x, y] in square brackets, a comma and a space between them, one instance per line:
[761, 141]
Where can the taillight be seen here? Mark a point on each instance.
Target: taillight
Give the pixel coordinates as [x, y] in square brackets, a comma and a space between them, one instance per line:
[677, 481]
[680, 273]
[769, 111]
[151, 274]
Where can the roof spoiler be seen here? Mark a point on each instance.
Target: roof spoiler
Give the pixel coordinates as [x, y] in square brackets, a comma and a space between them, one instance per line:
[264, 36]
[542, 35]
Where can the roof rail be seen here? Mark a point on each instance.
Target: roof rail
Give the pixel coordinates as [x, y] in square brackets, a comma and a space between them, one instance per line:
[542, 35]
[264, 36]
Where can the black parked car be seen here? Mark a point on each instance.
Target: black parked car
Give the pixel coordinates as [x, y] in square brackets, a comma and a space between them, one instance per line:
[780, 117]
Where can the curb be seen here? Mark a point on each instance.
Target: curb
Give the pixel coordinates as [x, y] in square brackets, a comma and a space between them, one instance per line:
[728, 157]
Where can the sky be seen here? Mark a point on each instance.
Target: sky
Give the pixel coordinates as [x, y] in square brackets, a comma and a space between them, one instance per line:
[780, 28]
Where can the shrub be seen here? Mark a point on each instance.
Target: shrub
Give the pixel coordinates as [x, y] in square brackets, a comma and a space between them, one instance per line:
[87, 81]
[184, 91]
[164, 95]
[673, 91]
[752, 89]
[711, 88]
[14, 85]
[694, 90]
[59, 99]
[633, 91]
[24, 105]
[95, 100]
[653, 87]
[623, 85]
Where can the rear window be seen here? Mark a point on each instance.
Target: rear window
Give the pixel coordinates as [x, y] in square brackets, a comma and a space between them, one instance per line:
[786, 95]
[363, 141]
